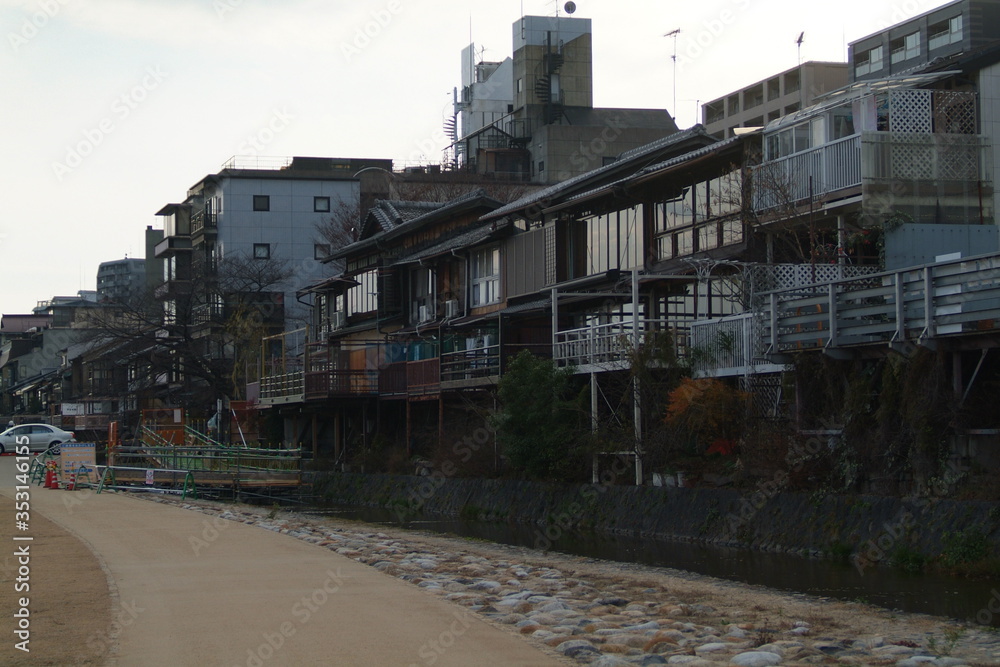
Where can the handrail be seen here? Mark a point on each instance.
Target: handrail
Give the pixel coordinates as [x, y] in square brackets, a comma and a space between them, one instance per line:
[914, 305]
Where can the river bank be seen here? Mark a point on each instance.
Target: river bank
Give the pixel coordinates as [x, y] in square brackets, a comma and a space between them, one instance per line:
[608, 614]
[866, 529]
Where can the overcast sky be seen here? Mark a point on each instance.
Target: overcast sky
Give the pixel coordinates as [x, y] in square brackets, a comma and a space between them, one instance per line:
[113, 108]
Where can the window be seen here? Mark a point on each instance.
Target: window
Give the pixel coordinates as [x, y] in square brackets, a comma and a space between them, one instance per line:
[422, 290]
[486, 276]
[363, 298]
[905, 47]
[321, 204]
[685, 242]
[708, 236]
[868, 61]
[944, 33]
[842, 120]
[262, 251]
[793, 140]
[732, 232]
[261, 203]
[321, 250]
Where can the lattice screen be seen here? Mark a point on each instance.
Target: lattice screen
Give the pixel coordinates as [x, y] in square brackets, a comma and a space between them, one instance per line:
[765, 393]
[550, 255]
[912, 156]
[954, 112]
[910, 111]
[958, 158]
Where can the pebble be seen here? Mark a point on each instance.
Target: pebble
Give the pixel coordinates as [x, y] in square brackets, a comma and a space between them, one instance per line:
[611, 625]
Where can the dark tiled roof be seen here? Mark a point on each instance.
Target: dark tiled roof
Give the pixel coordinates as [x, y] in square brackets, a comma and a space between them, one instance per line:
[628, 162]
[392, 213]
[431, 211]
[463, 240]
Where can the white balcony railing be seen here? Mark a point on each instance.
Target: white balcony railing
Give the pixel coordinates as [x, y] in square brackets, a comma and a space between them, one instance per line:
[871, 157]
[815, 172]
[610, 344]
[725, 346]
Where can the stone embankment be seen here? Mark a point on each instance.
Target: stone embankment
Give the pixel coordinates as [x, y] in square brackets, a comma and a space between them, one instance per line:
[613, 614]
[765, 518]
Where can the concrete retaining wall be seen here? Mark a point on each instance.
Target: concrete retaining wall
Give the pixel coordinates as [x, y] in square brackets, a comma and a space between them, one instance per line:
[768, 520]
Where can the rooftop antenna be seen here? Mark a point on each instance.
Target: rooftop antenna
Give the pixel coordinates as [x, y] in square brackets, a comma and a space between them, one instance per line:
[673, 33]
[798, 43]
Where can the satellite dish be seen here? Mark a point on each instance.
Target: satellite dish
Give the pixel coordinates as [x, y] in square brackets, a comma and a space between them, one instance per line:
[570, 7]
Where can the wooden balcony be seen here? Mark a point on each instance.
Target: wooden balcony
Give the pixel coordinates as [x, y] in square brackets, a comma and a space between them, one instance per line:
[474, 367]
[392, 380]
[282, 388]
[341, 382]
[423, 378]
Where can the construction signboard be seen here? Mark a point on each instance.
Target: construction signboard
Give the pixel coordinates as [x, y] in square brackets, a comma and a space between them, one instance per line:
[74, 455]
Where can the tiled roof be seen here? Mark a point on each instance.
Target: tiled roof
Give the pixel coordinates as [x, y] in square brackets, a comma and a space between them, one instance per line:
[629, 159]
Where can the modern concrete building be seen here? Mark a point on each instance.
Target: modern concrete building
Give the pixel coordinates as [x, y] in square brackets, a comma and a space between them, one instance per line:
[958, 27]
[118, 279]
[760, 103]
[532, 117]
[260, 210]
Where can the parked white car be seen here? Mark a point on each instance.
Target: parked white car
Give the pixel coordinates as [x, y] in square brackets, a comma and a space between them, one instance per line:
[40, 437]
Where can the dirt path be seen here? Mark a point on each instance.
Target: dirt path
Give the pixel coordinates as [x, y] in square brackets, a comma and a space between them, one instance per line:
[70, 600]
[193, 591]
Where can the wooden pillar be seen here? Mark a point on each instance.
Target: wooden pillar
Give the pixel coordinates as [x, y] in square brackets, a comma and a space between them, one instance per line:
[338, 437]
[440, 420]
[958, 387]
[594, 422]
[409, 429]
[315, 434]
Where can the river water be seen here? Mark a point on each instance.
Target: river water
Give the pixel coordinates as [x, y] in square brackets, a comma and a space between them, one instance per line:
[925, 593]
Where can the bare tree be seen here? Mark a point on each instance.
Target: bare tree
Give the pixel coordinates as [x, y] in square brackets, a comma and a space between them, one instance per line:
[193, 341]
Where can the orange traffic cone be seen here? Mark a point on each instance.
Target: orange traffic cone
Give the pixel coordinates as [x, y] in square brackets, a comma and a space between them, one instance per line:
[50, 479]
[71, 486]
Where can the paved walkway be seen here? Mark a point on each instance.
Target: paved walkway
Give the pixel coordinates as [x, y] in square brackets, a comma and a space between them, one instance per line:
[198, 592]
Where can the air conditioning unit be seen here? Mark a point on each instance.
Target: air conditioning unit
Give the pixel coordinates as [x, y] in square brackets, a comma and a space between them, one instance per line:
[426, 314]
[451, 308]
[338, 320]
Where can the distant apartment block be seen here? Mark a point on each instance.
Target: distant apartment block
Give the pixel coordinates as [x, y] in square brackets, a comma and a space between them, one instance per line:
[760, 103]
[958, 27]
[260, 210]
[118, 279]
